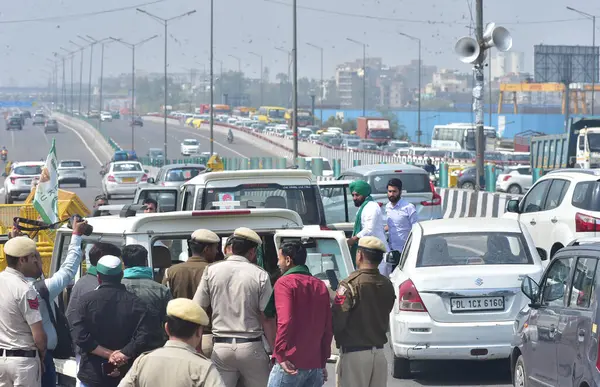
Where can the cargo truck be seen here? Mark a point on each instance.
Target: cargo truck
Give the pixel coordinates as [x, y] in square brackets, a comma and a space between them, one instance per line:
[578, 148]
[376, 129]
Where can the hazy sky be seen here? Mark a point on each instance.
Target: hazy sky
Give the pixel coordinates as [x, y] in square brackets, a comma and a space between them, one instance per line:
[242, 26]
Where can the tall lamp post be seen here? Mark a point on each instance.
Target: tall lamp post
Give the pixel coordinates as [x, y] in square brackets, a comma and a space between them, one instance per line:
[321, 86]
[91, 42]
[220, 78]
[71, 55]
[261, 76]
[289, 76]
[418, 40]
[54, 81]
[165, 22]
[240, 76]
[595, 64]
[364, 46]
[81, 49]
[132, 110]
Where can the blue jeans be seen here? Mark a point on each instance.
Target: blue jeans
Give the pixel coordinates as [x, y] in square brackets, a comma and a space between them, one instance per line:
[304, 378]
[49, 375]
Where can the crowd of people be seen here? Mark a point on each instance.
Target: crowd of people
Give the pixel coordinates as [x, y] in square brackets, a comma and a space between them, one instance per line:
[207, 323]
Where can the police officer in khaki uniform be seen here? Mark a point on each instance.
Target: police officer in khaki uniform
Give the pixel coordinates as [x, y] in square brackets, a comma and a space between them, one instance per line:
[183, 279]
[238, 291]
[22, 337]
[361, 312]
[177, 364]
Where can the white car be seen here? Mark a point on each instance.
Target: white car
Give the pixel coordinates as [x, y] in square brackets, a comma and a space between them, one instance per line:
[190, 146]
[515, 180]
[20, 179]
[106, 116]
[458, 290]
[72, 172]
[123, 178]
[561, 206]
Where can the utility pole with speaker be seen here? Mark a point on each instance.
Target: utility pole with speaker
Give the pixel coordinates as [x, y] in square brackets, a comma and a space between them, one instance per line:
[474, 51]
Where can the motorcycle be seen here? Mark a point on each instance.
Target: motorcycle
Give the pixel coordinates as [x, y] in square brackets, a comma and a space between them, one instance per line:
[230, 139]
[4, 156]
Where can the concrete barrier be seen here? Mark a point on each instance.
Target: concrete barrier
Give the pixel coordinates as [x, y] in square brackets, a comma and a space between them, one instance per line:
[461, 203]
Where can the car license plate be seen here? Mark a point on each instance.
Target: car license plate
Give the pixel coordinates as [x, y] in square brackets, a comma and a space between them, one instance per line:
[128, 180]
[27, 182]
[468, 304]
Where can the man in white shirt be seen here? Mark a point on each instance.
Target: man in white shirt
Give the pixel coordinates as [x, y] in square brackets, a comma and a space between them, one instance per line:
[369, 219]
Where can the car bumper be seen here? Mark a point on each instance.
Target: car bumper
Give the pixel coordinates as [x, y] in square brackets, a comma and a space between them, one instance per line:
[121, 189]
[190, 151]
[51, 130]
[71, 179]
[418, 337]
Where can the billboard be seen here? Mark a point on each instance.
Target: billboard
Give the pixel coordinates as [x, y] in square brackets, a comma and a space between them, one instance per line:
[565, 63]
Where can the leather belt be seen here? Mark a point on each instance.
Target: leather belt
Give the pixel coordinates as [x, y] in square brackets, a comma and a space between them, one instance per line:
[359, 349]
[231, 340]
[18, 353]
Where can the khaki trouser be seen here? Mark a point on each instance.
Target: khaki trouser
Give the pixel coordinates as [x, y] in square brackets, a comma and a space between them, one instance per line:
[247, 362]
[207, 344]
[362, 369]
[20, 372]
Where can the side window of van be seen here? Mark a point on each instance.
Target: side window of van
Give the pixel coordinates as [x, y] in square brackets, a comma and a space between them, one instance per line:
[554, 286]
[582, 288]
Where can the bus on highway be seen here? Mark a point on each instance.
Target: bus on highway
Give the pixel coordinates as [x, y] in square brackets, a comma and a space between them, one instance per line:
[271, 114]
[305, 117]
[219, 109]
[243, 111]
[461, 136]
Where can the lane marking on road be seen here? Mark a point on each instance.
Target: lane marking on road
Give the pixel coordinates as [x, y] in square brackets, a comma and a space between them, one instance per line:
[45, 135]
[12, 138]
[84, 143]
[208, 138]
[2, 191]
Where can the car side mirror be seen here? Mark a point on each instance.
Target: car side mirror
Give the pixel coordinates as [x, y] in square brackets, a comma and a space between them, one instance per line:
[151, 180]
[512, 206]
[530, 288]
[542, 253]
[392, 257]
[4, 174]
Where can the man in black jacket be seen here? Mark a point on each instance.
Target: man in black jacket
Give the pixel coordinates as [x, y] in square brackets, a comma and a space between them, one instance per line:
[110, 326]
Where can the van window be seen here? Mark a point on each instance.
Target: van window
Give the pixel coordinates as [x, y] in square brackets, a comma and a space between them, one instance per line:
[325, 255]
[587, 196]
[411, 182]
[183, 173]
[167, 200]
[583, 285]
[303, 199]
[556, 193]
[555, 282]
[338, 205]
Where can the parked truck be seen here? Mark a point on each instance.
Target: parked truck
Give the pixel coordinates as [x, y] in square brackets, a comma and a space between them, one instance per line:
[578, 148]
[376, 129]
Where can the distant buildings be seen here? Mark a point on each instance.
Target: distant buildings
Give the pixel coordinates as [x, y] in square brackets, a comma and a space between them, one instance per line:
[506, 63]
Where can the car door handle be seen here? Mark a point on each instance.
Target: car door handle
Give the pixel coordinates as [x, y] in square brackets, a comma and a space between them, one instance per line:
[532, 222]
[554, 220]
[581, 335]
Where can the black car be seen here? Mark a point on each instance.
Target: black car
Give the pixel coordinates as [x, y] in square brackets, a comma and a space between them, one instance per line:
[14, 123]
[137, 121]
[51, 126]
[468, 177]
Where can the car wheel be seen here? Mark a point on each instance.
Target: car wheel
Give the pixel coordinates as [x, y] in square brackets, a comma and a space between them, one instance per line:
[401, 368]
[514, 189]
[467, 185]
[83, 184]
[8, 199]
[520, 375]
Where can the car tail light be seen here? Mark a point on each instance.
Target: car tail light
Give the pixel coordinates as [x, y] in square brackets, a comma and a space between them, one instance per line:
[111, 178]
[586, 223]
[324, 228]
[13, 179]
[145, 177]
[409, 299]
[436, 199]
[507, 177]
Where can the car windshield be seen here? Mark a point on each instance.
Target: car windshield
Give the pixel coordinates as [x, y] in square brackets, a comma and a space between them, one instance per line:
[493, 156]
[594, 142]
[381, 133]
[156, 153]
[190, 142]
[51, 121]
[127, 167]
[183, 174]
[274, 113]
[302, 199]
[69, 164]
[436, 153]
[353, 143]
[411, 182]
[28, 170]
[462, 155]
[473, 248]
[15, 119]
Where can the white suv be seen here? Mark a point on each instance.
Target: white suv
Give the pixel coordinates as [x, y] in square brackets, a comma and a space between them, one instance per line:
[560, 207]
[20, 179]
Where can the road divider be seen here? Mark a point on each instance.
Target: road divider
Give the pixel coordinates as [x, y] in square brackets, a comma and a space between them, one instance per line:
[98, 146]
[462, 203]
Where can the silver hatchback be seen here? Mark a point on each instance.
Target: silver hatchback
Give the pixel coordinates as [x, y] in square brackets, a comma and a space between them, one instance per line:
[72, 172]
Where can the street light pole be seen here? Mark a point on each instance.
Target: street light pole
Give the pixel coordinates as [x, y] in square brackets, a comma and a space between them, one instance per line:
[364, 46]
[220, 79]
[295, 85]
[261, 76]
[71, 55]
[81, 49]
[240, 77]
[212, 91]
[321, 86]
[289, 54]
[165, 22]
[92, 42]
[418, 40]
[595, 62]
[132, 109]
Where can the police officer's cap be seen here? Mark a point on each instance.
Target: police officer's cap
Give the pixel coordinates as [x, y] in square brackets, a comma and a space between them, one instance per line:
[205, 236]
[109, 265]
[248, 234]
[20, 246]
[372, 243]
[188, 310]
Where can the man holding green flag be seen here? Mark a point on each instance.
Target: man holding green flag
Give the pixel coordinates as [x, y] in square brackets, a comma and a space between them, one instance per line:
[45, 200]
[369, 218]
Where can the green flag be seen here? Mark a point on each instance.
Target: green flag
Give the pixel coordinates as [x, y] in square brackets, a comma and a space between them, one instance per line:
[46, 193]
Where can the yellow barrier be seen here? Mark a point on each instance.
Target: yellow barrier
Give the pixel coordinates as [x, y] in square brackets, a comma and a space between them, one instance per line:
[69, 204]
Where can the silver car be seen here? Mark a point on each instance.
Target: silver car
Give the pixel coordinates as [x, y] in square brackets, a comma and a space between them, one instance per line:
[174, 175]
[123, 178]
[72, 172]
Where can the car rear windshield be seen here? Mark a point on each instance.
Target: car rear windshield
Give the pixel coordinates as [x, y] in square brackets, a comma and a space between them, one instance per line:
[28, 170]
[485, 248]
[183, 174]
[190, 142]
[51, 122]
[326, 165]
[70, 164]
[587, 196]
[303, 199]
[411, 182]
[127, 167]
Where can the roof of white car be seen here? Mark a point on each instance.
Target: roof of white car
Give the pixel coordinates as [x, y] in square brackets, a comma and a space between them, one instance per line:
[21, 163]
[126, 162]
[256, 173]
[573, 174]
[469, 225]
